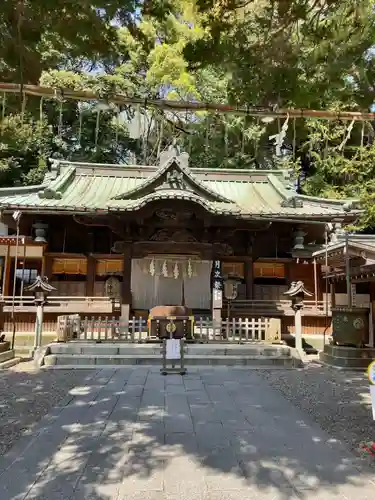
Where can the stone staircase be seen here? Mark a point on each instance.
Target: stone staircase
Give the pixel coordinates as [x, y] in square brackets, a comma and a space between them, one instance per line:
[89, 355]
[8, 359]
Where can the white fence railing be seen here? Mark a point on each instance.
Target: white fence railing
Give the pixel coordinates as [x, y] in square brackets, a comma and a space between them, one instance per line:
[238, 330]
[277, 307]
[104, 305]
[62, 304]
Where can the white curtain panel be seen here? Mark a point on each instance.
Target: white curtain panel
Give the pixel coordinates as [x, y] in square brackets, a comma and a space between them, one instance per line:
[198, 287]
[150, 291]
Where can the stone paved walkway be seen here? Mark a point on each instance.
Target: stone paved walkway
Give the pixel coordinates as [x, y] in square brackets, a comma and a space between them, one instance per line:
[215, 434]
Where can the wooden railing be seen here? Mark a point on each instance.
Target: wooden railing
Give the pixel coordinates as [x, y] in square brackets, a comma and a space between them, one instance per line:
[104, 305]
[237, 330]
[275, 308]
[62, 305]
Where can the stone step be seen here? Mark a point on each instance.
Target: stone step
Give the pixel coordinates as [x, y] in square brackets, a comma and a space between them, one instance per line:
[23, 351]
[366, 353]
[196, 367]
[153, 359]
[77, 348]
[8, 364]
[344, 362]
[6, 355]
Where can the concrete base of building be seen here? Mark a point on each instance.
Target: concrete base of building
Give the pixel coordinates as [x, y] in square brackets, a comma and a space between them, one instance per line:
[347, 358]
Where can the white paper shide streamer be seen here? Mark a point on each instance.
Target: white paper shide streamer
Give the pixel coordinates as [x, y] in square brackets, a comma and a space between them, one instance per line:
[176, 271]
[152, 268]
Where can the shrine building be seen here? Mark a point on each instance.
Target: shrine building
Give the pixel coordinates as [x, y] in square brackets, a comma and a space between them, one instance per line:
[117, 240]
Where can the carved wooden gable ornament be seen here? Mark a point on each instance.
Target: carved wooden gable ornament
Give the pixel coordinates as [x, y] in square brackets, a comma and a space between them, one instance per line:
[173, 179]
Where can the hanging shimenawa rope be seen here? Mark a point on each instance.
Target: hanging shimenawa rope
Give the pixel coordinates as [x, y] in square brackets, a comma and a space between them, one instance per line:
[3, 105]
[41, 111]
[23, 106]
[347, 134]
[97, 123]
[207, 138]
[117, 126]
[60, 105]
[260, 111]
[362, 134]
[80, 119]
[160, 139]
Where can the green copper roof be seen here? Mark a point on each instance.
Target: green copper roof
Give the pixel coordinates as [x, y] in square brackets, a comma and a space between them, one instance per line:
[90, 188]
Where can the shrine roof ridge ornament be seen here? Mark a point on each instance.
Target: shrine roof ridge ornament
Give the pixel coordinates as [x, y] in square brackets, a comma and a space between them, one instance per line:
[177, 175]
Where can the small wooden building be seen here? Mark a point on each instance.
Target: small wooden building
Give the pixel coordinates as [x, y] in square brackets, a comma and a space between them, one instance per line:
[349, 268]
[121, 239]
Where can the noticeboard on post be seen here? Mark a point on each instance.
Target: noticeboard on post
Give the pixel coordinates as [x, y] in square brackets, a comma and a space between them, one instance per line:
[371, 377]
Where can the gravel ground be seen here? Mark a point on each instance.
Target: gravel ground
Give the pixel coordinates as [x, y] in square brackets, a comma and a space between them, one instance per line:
[27, 394]
[338, 401]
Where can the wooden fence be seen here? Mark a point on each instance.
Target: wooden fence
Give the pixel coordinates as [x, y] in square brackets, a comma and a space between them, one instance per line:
[276, 308]
[238, 330]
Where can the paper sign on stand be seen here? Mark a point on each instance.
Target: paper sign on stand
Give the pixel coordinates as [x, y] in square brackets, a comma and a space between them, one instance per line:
[372, 393]
[173, 349]
[371, 377]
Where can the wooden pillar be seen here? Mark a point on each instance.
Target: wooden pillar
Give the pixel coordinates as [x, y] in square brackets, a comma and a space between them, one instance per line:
[126, 295]
[90, 278]
[7, 272]
[47, 266]
[249, 279]
[315, 283]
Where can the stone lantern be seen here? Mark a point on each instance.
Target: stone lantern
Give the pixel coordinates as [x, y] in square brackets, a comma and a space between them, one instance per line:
[297, 293]
[41, 289]
[230, 291]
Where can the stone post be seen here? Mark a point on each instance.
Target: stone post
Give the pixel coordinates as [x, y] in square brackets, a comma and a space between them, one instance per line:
[126, 296]
[38, 324]
[41, 289]
[298, 326]
[297, 292]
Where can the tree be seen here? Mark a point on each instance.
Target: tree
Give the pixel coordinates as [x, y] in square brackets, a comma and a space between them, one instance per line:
[300, 53]
[42, 34]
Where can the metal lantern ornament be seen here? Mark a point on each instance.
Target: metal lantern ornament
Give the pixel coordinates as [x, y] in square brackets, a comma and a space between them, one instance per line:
[41, 289]
[230, 291]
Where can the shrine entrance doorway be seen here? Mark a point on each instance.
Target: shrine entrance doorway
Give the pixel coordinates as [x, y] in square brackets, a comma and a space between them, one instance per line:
[171, 280]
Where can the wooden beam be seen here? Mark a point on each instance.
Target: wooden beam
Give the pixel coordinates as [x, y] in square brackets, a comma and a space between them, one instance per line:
[90, 278]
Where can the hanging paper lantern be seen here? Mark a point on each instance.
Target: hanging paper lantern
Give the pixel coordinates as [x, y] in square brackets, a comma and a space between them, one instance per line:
[175, 271]
[152, 268]
[165, 269]
[189, 269]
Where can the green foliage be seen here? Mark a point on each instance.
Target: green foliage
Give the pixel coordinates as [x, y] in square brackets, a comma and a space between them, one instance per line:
[24, 145]
[256, 52]
[297, 53]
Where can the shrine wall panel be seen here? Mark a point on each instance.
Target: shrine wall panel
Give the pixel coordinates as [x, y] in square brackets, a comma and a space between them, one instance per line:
[69, 288]
[305, 273]
[310, 325]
